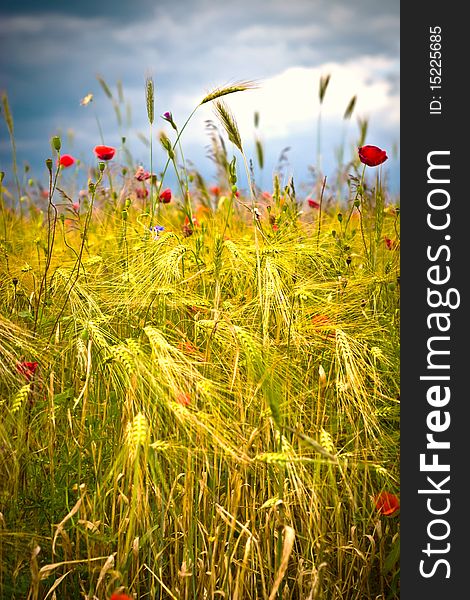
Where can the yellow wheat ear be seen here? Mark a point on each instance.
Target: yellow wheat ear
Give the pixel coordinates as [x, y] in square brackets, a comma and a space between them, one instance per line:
[20, 398]
[241, 86]
[137, 432]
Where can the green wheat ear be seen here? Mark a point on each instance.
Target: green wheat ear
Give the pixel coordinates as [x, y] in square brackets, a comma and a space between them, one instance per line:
[259, 153]
[350, 108]
[230, 125]
[324, 81]
[363, 126]
[150, 99]
[104, 86]
[230, 89]
[7, 113]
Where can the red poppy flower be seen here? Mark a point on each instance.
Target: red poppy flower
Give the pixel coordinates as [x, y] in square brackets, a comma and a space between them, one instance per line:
[183, 399]
[386, 503]
[372, 156]
[195, 221]
[186, 346]
[321, 321]
[66, 160]
[121, 597]
[391, 244]
[165, 196]
[214, 189]
[323, 324]
[104, 152]
[141, 174]
[27, 369]
[313, 203]
[141, 192]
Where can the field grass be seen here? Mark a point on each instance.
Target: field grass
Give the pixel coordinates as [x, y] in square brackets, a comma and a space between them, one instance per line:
[215, 405]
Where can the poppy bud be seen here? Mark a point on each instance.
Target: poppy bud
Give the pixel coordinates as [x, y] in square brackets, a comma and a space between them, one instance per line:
[101, 166]
[91, 187]
[169, 117]
[340, 217]
[49, 165]
[233, 171]
[56, 143]
[165, 141]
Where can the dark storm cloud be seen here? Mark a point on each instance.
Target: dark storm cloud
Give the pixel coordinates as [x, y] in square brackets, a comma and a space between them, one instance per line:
[52, 51]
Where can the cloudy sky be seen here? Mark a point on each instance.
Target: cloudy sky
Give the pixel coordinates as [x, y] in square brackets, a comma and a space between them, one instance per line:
[52, 52]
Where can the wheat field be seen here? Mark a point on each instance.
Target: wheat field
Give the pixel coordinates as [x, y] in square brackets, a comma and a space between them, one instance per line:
[199, 385]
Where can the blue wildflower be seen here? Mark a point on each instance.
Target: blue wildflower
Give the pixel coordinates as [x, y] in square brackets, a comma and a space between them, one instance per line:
[155, 230]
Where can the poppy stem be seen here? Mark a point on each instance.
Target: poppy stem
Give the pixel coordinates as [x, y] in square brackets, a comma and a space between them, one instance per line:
[111, 189]
[366, 251]
[168, 163]
[152, 181]
[51, 229]
[359, 189]
[78, 262]
[2, 208]
[319, 211]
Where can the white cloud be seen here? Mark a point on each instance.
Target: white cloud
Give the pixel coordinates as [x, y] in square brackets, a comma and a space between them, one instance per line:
[288, 102]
